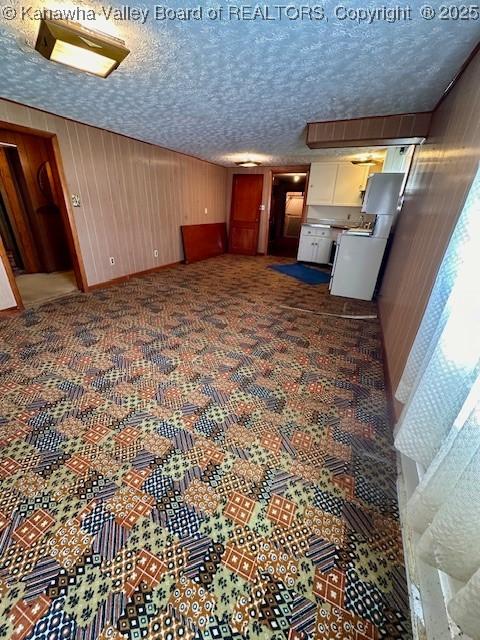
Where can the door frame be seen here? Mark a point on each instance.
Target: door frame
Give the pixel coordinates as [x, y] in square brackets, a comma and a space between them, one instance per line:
[61, 192]
[299, 168]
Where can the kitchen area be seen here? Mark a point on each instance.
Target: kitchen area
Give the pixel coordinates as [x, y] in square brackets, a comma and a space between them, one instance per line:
[351, 210]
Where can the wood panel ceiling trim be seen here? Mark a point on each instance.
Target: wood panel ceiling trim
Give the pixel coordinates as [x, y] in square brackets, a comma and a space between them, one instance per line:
[403, 128]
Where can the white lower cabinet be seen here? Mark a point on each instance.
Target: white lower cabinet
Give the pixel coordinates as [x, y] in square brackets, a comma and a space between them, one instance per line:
[323, 249]
[315, 245]
[306, 250]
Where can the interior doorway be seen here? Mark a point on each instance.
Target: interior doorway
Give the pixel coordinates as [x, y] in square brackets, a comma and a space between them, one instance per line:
[286, 213]
[35, 228]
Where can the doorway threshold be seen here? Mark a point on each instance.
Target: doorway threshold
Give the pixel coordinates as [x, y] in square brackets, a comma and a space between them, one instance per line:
[37, 288]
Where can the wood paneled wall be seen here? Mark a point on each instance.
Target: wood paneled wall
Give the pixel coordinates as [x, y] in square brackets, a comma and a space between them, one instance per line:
[266, 196]
[134, 195]
[442, 173]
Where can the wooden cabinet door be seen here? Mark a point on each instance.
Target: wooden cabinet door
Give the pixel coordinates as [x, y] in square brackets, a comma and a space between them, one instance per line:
[321, 185]
[349, 184]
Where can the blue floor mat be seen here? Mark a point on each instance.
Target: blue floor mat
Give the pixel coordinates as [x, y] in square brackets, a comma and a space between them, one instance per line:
[308, 275]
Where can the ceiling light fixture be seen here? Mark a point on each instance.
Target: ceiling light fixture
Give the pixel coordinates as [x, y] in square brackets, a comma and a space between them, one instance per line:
[76, 46]
[248, 163]
[368, 161]
[296, 178]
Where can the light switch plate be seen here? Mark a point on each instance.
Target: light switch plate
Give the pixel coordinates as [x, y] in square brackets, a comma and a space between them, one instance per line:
[75, 200]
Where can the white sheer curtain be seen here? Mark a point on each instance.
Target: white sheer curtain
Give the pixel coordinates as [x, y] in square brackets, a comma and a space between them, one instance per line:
[440, 424]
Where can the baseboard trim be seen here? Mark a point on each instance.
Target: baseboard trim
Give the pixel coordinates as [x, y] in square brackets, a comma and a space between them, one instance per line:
[11, 311]
[386, 373]
[129, 276]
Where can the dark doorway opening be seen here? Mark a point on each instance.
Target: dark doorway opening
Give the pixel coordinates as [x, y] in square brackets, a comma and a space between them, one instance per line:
[286, 211]
[7, 233]
[34, 225]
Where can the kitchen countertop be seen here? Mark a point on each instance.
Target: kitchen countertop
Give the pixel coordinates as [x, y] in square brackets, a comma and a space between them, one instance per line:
[334, 224]
[325, 225]
[350, 228]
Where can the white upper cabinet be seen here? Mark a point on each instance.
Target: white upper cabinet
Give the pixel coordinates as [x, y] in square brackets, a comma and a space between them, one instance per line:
[351, 180]
[336, 183]
[321, 183]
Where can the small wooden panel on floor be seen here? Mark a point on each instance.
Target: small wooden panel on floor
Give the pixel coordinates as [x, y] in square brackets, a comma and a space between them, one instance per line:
[201, 241]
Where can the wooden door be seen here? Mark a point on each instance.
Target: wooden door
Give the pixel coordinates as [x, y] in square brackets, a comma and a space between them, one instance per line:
[18, 215]
[33, 169]
[247, 191]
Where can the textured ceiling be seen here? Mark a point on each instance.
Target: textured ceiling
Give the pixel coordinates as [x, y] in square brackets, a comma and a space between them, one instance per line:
[226, 89]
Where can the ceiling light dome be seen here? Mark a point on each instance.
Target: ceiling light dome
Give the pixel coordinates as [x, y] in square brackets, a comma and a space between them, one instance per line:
[76, 46]
[248, 163]
[366, 161]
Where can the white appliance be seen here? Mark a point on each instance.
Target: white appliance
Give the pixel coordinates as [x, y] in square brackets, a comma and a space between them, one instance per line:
[382, 193]
[358, 257]
[357, 262]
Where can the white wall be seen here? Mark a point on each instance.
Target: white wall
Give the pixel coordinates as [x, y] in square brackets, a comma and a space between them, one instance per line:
[398, 159]
[7, 299]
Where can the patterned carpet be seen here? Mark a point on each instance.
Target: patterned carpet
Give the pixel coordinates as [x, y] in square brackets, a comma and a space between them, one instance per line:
[182, 457]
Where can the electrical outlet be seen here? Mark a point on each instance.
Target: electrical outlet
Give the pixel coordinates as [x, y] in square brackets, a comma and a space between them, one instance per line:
[112, 260]
[155, 253]
[75, 200]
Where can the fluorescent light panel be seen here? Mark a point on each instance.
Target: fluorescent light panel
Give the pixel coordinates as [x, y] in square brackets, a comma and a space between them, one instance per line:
[82, 59]
[72, 44]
